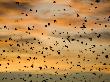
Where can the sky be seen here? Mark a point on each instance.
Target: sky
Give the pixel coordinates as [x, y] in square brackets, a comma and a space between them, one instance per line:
[54, 38]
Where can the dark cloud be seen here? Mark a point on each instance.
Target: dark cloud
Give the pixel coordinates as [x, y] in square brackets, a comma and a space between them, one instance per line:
[104, 35]
[13, 5]
[4, 37]
[84, 76]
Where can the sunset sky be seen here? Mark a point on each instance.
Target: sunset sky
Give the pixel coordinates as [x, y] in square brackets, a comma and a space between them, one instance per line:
[57, 37]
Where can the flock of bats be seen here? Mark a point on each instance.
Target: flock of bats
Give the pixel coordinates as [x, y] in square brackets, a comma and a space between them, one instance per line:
[47, 52]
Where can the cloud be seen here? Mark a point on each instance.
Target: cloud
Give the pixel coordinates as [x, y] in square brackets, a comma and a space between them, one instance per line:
[13, 5]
